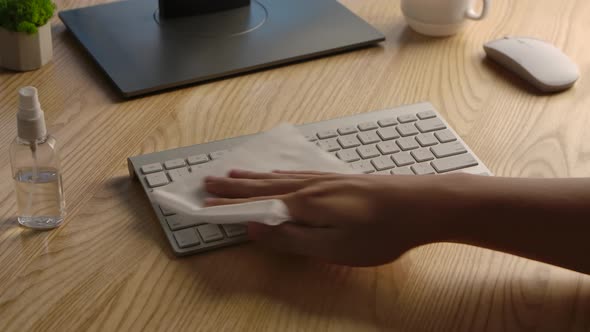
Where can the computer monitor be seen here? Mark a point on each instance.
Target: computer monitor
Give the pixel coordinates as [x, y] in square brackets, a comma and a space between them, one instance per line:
[145, 46]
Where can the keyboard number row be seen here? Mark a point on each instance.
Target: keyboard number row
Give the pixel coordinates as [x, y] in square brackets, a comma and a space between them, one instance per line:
[159, 179]
[180, 162]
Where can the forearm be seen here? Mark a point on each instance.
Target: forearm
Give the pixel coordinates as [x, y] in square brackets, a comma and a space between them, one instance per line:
[542, 219]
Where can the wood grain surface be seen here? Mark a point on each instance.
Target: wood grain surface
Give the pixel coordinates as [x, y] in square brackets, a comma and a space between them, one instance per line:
[109, 267]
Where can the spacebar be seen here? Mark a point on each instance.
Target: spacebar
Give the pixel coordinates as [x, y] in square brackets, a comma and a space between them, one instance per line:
[454, 163]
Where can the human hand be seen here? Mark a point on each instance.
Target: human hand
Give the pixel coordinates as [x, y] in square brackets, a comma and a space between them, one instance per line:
[359, 220]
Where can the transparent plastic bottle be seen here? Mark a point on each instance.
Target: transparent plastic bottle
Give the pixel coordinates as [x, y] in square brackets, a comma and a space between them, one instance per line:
[35, 167]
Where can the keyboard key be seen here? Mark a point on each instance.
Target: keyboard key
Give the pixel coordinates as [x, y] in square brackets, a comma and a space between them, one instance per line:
[175, 163]
[383, 163]
[178, 174]
[325, 134]
[454, 163]
[388, 133]
[197, 168]
[218, 154]
[423, 169]
[348, 156]
[383, 173]
[198, 159]
[311, 138]
[186, 237]
[426, 139]
[367, 126]
[407, 143]
[445, 136]
[448, 149]
[151, 168]
[402, 159]
[210, 232]
[363, 166]
[368, 151]
[426, 115]
[402, 171]
[233, 230]
[406, 118]
[329, 145]
[347, 130]
[429, 125]
[388, 147]
[422, 155]
[166, 211]
[387, 122]
[176, 222]
[156, 179]
[349, 141]
[369, 137]
[407, 129]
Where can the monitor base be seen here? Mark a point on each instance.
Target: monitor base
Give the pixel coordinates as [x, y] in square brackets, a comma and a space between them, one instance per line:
[142, 53]
[183, 8]
[221, 24]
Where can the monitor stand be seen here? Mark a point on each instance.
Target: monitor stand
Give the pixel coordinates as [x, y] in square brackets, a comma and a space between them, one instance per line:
[143, 50]
[182, 8]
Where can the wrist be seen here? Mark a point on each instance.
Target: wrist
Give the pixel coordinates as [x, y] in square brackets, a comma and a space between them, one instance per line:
[411, 211]
[448, 205]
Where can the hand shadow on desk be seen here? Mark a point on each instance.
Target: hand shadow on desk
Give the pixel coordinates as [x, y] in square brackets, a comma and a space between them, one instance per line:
[297, 288]
[305, 287]
[402, 295]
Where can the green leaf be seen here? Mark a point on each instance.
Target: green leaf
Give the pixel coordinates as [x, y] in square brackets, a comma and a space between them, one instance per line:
[27, 27]
[25, 15]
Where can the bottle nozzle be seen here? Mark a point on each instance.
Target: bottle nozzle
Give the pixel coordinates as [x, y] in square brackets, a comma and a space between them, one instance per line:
[29, 99]
[31, 120]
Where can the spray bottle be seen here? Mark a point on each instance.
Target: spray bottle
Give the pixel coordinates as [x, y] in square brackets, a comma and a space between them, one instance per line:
[35, 167]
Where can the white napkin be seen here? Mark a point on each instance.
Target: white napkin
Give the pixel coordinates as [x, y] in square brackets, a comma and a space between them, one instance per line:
[282, 148]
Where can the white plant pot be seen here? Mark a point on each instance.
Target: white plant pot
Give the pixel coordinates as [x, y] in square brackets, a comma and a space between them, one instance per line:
[22, 52]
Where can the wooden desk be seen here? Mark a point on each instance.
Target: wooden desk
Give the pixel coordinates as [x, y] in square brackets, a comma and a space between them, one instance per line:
[110, 268]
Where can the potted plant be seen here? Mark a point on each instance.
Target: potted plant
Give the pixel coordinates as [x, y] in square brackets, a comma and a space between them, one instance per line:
[25, 33]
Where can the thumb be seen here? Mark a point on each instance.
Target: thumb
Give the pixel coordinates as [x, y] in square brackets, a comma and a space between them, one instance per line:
[304, 209]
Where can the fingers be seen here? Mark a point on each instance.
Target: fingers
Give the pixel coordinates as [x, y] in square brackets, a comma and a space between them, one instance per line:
[242, 184]
[243, 188]
[242, 174]
[305, 174]
[209, 202]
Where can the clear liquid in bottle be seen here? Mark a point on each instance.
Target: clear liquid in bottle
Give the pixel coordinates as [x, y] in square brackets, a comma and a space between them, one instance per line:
[39, 198]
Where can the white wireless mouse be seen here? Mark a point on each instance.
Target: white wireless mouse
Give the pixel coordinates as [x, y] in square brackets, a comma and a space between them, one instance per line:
[538, 62]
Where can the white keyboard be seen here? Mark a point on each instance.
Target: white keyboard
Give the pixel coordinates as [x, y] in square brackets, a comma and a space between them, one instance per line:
[406, 140]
